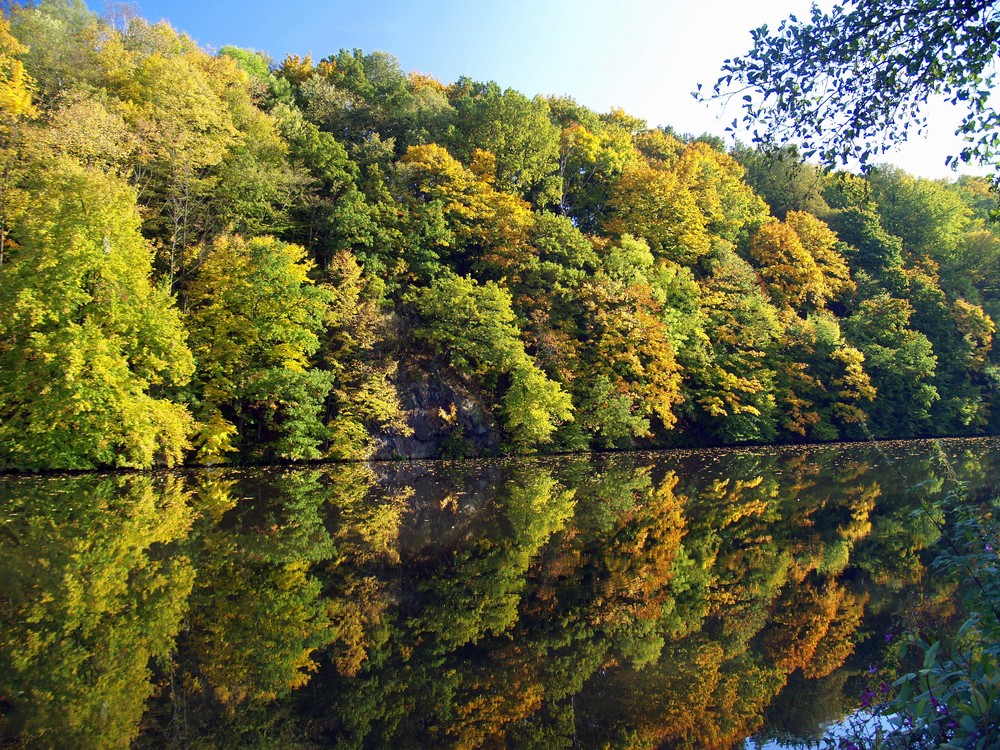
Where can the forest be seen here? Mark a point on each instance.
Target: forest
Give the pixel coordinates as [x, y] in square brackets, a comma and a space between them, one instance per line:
[220, 258]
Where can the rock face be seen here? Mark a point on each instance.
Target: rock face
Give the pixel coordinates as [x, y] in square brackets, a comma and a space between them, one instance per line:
[448, 416]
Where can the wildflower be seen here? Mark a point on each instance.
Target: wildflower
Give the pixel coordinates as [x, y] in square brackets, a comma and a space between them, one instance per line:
[872, 669]
[888, 636]
[866, 698]
[883, 688]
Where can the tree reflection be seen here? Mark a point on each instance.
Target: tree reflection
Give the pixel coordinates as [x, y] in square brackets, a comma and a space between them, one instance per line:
[643, 600]
[95, 584]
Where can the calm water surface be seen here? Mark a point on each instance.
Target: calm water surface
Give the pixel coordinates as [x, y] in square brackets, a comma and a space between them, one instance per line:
[688, 600]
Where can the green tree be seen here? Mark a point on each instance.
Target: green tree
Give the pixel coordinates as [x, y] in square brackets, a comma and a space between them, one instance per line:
[901, 363]
[850, 82]
[515, 129]
[869, 247]
[475, 325]
[962, 336]
[331, 213]
[927, 215]
[56, 33]
[255, 319]
[783, 179]
[733, 392]
[88, 344]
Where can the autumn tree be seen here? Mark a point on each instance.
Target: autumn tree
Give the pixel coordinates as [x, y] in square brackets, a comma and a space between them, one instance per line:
[593, 152]
[256, 317]
[474, 325]
[90, 347]
[456, 218]
[16, 106]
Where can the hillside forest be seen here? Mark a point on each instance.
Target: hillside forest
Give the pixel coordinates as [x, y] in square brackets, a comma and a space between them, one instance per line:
[210, 258]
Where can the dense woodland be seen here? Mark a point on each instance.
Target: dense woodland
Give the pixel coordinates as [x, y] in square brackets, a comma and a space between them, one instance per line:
[214, 258]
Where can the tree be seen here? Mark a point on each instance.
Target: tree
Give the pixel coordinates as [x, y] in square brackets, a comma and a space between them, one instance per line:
[457, 216]
[517, 130]
[850, 83]
[593, 152]
[87, 343]
[16, 88]
[475, 324]
[53, 31]
[927, 215]
[791, 274]
[255, 322]
[355, 353]
[15, 84]
[628, 362]
[901, 363]
[656, 205]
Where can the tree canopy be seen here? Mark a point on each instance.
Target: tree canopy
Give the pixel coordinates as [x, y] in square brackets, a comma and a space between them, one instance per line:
[220, 258]
[849, 83]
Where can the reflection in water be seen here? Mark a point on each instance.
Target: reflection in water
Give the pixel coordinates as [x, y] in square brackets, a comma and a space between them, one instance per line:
[94, 584]
[640, 600]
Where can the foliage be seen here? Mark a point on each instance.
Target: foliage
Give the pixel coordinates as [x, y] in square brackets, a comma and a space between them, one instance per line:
[474, 324]
[255, 319]
[947, 694]
[850, 82]
[88, 344]
[326, 224]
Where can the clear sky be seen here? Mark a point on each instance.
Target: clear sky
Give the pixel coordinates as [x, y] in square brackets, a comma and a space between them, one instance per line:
[645, 56]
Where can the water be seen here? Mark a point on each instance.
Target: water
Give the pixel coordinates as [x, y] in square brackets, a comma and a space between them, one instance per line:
[683, 599]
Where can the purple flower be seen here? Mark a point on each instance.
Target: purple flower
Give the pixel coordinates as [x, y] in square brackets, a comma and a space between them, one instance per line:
[872, 669]
[866, 698]
[888, 636]
[884, 688]
[989, 547]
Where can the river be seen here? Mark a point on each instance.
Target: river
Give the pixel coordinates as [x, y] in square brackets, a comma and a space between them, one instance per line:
[688, 599]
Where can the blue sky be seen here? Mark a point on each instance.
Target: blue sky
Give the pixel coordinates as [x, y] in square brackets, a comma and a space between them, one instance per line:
[644, 56]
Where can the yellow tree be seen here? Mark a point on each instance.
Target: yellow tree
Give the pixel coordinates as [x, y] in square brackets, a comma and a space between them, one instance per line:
[456, 217]
[88, 345]
[826, 250]
[15, 106]
[657, 206]
[731, 208]
[793, 279]
[255, 318]
[630, 373]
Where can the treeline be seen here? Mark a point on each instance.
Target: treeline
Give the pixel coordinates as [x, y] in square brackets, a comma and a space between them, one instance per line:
[210, 258]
